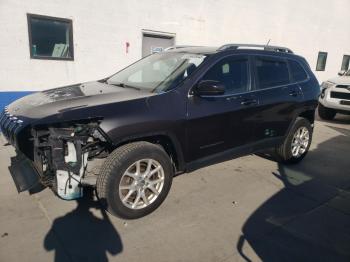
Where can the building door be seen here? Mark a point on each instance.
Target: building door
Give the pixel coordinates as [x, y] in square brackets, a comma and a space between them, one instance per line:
[155, 43]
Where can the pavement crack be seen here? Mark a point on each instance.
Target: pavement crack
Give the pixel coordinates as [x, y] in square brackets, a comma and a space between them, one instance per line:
[43, 209]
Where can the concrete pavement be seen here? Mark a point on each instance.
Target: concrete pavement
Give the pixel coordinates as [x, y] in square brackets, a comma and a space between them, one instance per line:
[247, 209]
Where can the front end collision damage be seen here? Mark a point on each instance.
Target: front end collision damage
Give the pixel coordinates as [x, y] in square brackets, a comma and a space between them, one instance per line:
[62, 153]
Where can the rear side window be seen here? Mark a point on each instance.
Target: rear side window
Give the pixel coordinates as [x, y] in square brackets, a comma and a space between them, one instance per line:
[298, 72]
[271, 73]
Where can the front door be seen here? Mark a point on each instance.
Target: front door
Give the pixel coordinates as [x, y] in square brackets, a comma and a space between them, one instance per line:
[218, 123]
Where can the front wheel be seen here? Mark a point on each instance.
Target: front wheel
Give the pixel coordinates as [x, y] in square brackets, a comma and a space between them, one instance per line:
[134, 180]
[297, 143]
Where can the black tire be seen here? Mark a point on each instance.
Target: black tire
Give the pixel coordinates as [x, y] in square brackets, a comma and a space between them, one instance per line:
[284, 151]
[113, 169]
[326, 113]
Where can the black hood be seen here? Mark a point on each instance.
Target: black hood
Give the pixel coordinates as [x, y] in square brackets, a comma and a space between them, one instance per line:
[66, 99]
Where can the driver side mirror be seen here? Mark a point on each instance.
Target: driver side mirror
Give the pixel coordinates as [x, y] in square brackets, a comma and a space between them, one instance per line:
[341, 72]
[209, 88]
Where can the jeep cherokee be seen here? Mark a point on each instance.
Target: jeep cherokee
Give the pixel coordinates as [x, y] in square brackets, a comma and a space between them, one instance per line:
[166, 114]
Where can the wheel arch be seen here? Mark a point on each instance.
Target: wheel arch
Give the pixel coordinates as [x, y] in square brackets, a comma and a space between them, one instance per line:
[309, 115]
[168, 142]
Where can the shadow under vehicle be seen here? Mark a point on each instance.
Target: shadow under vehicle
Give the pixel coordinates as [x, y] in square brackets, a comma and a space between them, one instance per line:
[308, 220]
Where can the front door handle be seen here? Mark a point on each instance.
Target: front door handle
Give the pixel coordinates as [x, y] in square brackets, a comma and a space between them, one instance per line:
[248, 102]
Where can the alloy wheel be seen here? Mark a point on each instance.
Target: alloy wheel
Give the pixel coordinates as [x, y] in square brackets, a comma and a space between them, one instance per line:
[300, 142]
[141, 183]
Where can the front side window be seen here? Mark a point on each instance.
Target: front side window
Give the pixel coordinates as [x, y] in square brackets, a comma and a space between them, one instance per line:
[271, 73]
[231, 72]
[321, 61]
[345, 63]
[298, 72]
[50, 37]
[158, 72]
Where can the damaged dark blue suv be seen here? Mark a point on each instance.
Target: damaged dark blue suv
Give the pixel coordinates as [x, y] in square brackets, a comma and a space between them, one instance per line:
[169, 113]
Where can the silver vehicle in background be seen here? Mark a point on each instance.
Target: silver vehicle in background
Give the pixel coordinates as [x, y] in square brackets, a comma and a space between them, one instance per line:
[335, 96]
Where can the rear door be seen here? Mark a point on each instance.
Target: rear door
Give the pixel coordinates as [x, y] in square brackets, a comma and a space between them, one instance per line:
[278, 98]
[217, 123]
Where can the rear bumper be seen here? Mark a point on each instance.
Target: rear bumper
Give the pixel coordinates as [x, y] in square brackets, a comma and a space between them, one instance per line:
[23, 173]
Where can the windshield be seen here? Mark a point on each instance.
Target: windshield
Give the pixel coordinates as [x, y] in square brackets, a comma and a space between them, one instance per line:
[158, 72]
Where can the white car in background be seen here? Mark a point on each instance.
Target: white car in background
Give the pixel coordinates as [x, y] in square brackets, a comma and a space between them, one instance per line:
[335, 96]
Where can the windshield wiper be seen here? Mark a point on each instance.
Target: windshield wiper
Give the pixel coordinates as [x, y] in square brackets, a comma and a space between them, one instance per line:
[104, 80]
[133, 87]
[124, 85]
[116, 84]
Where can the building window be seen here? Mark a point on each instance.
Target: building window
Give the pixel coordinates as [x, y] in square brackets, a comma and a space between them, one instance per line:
[321, 61]
[50, 37]
[345, 63]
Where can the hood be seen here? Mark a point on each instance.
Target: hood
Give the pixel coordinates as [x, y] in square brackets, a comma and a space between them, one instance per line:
[68, 98]
[340, 80]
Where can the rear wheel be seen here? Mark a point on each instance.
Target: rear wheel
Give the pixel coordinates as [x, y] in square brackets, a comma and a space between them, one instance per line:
[325, 112]
[135, 179]
[297, 143]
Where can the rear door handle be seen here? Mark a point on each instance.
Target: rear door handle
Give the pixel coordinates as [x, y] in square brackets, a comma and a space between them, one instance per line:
[248, 102]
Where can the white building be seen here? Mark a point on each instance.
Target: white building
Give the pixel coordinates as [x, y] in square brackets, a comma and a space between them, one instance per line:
[97, 38]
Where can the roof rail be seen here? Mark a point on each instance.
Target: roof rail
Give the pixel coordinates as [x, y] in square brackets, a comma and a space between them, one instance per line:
[178, 47]
[250, 46]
